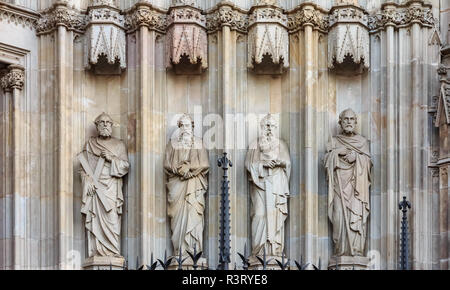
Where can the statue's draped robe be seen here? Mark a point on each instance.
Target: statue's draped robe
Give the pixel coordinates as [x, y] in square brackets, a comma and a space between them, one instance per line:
[355, 182]
[269, 196]
[103, 213]
[186, 197]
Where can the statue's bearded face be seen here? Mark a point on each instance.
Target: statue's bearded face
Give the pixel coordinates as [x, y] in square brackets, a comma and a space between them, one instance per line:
[269, 128]
[348, 122]
[186, 128]
[104, 127]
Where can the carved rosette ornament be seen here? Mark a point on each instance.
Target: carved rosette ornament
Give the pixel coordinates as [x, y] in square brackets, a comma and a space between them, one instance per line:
[268, 38]
[348, 38]
[105, 34]
[186, 38]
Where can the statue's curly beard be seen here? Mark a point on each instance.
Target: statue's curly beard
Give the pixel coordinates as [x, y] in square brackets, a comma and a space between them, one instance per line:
[185, 138]
[105, 132]
[349, 129]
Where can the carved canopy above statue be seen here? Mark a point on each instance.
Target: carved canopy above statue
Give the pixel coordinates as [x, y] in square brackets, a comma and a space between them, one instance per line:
[268, 38]
[105, 36]
[186, 39]
[348, 38]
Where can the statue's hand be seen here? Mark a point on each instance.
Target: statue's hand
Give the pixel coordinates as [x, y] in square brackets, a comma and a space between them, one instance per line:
[108, 156]
[188, 175]
[342, 151]
[270, 164]
[351, 157]
[281, 163]
[90, 186]
[183, 169]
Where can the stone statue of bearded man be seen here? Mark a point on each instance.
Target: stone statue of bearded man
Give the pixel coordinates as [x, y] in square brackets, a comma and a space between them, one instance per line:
[186, 165]
[104, 162]
[269, 168]
[348, 165]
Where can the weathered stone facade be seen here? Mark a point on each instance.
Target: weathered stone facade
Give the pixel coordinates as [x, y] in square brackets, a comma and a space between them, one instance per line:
[387, 60]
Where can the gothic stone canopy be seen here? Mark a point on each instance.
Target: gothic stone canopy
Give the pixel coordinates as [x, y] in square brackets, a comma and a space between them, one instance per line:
[348, 38]
[105, 36]
[268, 39]
[186, 38]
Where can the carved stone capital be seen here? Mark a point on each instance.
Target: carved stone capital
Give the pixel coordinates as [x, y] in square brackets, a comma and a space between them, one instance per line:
[402, 15]
[307, 15]
[13, 78]
[146, 15]
[186, 38]
[61, 15]
[226, 14]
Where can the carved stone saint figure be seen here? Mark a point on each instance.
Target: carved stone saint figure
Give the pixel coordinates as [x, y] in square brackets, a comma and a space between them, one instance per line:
[186, 165]
[269, 167]
[348, 165]
[104, 162]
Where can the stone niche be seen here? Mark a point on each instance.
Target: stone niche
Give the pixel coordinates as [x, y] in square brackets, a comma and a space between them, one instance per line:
[186, 39]
[268, 38]
[348, 39]
[105, 38]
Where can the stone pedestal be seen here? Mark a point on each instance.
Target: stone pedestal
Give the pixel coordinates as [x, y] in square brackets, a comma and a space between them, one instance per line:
[348, 263]
[255, 264]
[188, 263]
[104, 263]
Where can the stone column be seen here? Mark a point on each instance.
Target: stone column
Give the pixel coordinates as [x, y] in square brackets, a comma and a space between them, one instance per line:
[309, 138]
[65, 153]
[16, 82]
[229, 136]
[390, 198]
[12, 84]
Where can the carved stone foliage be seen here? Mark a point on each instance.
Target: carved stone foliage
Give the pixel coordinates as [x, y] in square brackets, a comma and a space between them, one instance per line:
[186, 40]
[227, 15]
[105, 35]
[307, 15]
[145, 15]
[268, 40]
[398, 15]
[61, 14]
[13, 78]
[348, 38]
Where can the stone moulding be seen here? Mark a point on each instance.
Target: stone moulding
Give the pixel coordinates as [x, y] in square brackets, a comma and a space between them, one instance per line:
[402, 15]
[225, 13]
[18, 16]
[268, 36]
[348, 37]
[186, 36]
[105, 34]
